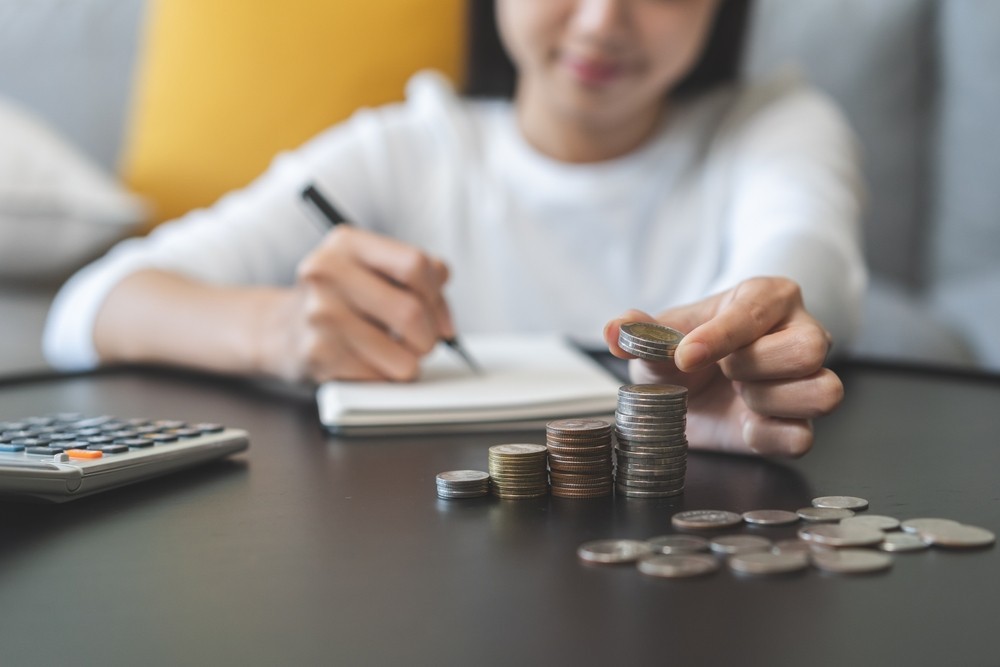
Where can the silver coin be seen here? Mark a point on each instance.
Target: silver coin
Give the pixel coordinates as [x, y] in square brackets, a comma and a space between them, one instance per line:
[920, 525]
[903, 542]
[958, 536]
[457, 495]
[770, 517]
[840, 502]
[706, 519]
[851, 561]
[646, 390]
[652, 334]
[463, 476]
[632, 492]
[836, 535]
[517, 450]
[823, 513]
[767, 562]
[739, 544]
[676, 566]
[795, 546]
[613, 551]
[678, 544]
[884, 523]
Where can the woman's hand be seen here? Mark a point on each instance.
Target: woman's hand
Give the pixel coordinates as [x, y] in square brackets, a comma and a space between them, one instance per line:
[752, 358]
[365, 307]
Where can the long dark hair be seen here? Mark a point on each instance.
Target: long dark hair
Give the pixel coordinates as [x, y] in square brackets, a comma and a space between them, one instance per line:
[490, 73]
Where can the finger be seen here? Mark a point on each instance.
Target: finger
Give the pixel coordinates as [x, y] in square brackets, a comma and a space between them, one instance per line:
[794, 351]
[744, 314]
[771, 436]
[804, 398]
[373, 346]
[399, 311]
[439, 307]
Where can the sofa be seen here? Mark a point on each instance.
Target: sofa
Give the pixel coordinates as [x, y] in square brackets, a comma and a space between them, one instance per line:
[916, 78]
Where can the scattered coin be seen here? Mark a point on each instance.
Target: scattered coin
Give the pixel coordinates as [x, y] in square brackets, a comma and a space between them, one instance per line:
[823, 513]
[920, 525]
[903, 542]
[739, 544]
[883, 523]
[456, 484]
[796, 546]
[770, 517]
[841, 502]
[958, 536]
[769, 562]
[675, 566]
[837, 535]
[706, 519]
[613, 551]
[851, 561]
[678, 544]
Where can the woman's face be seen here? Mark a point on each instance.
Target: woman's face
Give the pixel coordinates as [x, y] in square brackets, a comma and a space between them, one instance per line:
[602, 61]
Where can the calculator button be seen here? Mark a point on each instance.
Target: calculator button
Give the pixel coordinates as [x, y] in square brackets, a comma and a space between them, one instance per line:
[9, 447]
[29, 442]
[15, 434]
[169, 424]
[187, 432]
[62, 437]
[83, 454]
[161, 438]
[109, 449]
[137, 442]
[89, 432]
[123, 434]
[100, 439]
[210, 428]
[43, 450]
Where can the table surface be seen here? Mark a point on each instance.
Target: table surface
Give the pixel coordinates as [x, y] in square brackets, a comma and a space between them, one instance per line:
[314, 550]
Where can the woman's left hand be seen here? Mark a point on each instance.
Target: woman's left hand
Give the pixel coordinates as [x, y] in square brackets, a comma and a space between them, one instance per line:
[752, 359]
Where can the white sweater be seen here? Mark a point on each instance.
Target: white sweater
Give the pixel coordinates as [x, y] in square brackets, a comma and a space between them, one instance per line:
[738, 183]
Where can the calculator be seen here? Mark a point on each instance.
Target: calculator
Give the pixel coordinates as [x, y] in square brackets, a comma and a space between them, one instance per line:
[60, 457]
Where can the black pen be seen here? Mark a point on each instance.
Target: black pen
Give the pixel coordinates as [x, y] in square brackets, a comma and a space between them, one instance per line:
[334, 217]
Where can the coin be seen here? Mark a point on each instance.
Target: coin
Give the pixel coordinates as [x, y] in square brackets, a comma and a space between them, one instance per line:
[456, 484]
[851, 561]
[795, 546]
[463, 477]
[675, 566]
[517, 450]
[613, 551]
[903, 542]
[739, 544]
[767, 562]
[920, 525]
[518, 471]
[823, 513]
[579, 457]
[770, 517]
[836, 535]
[706, 519]
[649, 334]
[841, 502]
[678, 544]
[958, 536]
[872, 521]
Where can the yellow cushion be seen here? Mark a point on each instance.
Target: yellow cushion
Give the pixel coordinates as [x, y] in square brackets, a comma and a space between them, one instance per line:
[224, 85]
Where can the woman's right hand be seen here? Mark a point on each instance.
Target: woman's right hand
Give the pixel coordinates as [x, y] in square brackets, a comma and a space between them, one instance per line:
[364, 307]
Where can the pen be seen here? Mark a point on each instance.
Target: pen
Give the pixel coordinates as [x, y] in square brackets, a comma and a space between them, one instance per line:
[334, 217]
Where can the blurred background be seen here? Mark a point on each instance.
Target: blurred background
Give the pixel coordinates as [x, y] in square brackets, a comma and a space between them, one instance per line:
[115, 114]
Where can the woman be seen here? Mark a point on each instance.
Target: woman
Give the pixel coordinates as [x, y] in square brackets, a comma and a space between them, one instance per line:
[627, 171]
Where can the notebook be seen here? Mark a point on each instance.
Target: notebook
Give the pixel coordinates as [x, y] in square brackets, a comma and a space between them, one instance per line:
[526, 380]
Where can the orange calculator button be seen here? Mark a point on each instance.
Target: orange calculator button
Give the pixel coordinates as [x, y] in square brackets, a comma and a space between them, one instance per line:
[84, 453]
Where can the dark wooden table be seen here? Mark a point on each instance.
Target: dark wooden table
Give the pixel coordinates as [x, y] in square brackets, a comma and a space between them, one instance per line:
[312, 550]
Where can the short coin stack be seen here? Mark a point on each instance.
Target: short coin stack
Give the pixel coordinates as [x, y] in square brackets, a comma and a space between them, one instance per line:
[580, 457]
[462, 484]
[518, 471]
[651, 454]
[653, 342]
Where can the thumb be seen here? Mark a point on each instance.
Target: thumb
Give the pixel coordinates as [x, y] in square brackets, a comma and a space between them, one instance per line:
[640, 370]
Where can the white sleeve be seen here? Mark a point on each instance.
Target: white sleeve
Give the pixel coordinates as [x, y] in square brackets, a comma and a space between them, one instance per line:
[253, 236]
[795, 205]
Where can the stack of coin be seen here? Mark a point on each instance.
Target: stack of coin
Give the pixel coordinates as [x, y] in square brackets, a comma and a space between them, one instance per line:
[653, 342]
[518, 471]
[651, 454]
[580, 457]
[463, 484]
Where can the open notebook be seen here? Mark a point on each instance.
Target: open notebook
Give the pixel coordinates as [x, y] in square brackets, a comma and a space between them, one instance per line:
[526, 381]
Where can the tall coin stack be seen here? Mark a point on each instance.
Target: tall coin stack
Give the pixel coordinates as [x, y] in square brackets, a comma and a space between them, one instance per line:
[651, 452]
[518, 471]
[580, 463]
